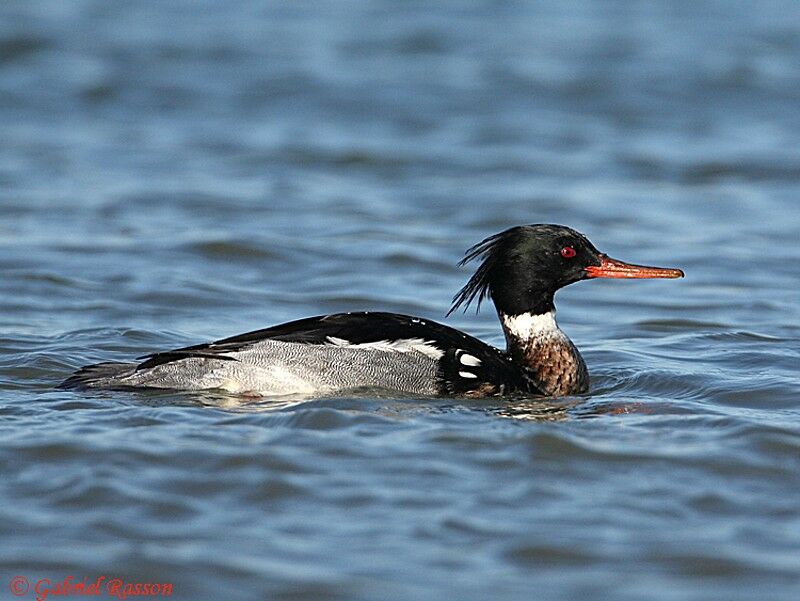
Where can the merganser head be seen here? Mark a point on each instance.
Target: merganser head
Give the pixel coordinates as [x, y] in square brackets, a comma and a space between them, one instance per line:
[522, 267]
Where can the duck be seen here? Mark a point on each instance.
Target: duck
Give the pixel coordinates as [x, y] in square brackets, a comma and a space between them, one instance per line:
[519, 269]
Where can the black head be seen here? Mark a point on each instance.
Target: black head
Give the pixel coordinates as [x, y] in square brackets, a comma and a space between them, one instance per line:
[524, 266]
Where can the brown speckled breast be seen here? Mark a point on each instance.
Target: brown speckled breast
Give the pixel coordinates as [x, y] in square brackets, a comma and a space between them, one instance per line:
[553, 363]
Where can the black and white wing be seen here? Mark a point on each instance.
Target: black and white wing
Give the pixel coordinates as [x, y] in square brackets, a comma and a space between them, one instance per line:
[325, 354]
[466, 366]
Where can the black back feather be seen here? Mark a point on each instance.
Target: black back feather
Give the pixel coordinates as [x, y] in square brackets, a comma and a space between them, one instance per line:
[356, 328]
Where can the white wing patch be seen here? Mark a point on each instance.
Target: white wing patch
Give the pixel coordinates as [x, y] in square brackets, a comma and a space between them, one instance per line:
[466, 374]
[469, 360]
[403, 345]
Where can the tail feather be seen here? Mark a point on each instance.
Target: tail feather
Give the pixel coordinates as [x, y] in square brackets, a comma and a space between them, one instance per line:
[99, 375]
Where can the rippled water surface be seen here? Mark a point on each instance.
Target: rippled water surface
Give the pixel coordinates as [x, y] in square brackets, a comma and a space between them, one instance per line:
[180, 171]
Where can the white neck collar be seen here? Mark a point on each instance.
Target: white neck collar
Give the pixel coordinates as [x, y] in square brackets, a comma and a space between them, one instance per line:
[526, 325]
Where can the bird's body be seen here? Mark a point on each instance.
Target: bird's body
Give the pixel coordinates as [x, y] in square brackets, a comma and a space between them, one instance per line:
[324, 354]
[521, 270]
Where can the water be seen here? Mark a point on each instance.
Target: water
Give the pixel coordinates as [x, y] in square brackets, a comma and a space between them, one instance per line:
[176, 172]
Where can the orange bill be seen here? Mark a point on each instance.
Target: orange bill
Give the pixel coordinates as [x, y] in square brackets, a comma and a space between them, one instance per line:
[611, 268]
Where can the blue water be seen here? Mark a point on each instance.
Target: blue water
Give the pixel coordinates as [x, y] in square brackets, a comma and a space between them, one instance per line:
[175, 172]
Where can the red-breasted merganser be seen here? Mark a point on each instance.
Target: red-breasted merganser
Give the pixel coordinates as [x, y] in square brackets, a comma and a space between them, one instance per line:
[521, 269]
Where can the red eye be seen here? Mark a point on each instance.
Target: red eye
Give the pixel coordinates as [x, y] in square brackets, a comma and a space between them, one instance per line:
[567, 252]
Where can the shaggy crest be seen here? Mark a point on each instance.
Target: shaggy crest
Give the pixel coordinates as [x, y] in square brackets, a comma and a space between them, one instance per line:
[478, 284]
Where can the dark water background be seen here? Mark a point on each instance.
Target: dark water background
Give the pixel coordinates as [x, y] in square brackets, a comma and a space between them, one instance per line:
[172, 172]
